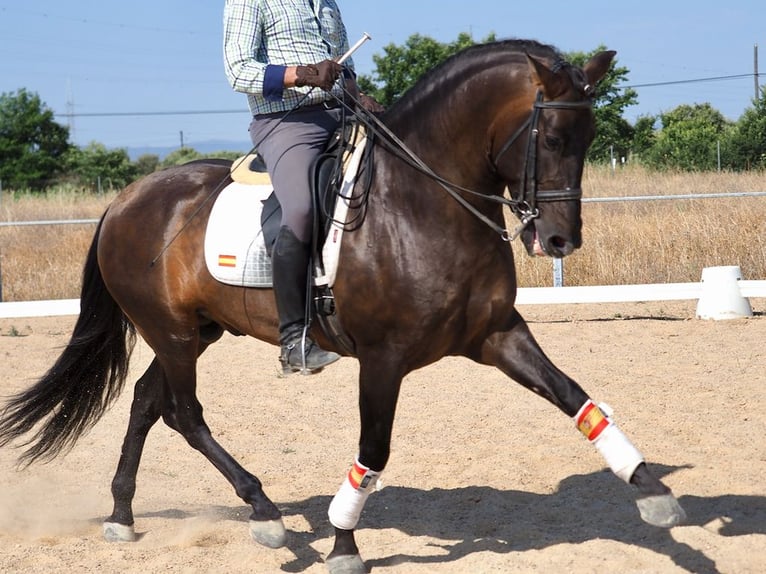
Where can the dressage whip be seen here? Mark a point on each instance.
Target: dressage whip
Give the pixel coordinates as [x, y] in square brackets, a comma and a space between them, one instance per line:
[354, 48]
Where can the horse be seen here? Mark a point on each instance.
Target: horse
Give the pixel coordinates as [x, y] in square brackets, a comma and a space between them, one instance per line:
[428, 273]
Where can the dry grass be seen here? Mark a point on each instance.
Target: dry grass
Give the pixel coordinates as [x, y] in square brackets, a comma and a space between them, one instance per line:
[45, 262]
[627, 242]
[660, 241]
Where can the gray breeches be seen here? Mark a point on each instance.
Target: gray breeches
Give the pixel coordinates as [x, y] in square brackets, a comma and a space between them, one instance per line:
[289, 152]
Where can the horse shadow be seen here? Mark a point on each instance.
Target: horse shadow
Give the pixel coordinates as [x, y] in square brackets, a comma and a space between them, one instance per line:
[484, 518]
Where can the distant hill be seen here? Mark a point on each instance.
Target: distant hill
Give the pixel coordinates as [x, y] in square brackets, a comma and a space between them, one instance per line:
[205, 147]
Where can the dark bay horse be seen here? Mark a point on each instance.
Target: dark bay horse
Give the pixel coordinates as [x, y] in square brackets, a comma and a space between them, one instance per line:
[428, 273]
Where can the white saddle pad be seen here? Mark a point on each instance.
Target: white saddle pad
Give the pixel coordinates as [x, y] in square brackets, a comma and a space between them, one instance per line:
[235, 251]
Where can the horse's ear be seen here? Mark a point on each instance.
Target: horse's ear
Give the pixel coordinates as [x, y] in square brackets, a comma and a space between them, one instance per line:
[598, 66]
[551, 84]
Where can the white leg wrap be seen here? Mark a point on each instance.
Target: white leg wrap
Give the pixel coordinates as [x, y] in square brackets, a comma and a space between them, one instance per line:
[620, 454]
[347, 505]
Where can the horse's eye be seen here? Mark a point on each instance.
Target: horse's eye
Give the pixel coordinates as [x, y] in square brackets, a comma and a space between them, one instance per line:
[552, 143]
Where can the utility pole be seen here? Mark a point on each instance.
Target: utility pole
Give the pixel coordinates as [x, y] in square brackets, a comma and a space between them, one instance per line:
[755, 73]
[70, 108]
[182, 138]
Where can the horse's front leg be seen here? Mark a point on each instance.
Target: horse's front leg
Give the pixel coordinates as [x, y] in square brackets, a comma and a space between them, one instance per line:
[517, 354]
[379, 383]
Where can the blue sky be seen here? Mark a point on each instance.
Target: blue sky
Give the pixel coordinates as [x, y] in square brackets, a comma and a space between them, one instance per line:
[102, 56]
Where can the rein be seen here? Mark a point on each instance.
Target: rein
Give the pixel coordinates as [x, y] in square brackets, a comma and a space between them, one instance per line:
[404, 153]
[524, 203]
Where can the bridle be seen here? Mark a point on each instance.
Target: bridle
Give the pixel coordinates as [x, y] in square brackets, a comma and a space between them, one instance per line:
[524, 201]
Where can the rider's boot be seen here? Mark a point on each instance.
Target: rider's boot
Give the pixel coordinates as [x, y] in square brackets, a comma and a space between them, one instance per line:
[290, 263]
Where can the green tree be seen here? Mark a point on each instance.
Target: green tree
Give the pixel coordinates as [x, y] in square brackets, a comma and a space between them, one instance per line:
[187, 154]
[146, 163]
[688, 139]
[96, 167]
[614, 135]
[32, 144]
[223, 154]
[644, 136]
[745, 146]
[179, 156]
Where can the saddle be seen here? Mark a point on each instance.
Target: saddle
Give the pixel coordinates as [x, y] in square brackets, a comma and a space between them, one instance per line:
[326, 183]
[237, 250]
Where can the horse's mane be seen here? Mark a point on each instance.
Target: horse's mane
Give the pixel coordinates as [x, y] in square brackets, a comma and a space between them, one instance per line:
[454, 68]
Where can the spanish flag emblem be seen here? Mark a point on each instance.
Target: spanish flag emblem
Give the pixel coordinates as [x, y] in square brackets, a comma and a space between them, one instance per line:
[356, 475]
[227, 260]
[592, 421]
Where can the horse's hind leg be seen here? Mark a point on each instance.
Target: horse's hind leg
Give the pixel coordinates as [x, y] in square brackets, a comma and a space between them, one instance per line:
[518, 355]
[167, 389]
[144, 412]
[183, 413]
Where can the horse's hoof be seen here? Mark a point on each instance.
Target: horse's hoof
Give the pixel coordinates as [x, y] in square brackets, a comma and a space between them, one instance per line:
[662, 510]
[115, 532]
[346, 564]
[270, 533]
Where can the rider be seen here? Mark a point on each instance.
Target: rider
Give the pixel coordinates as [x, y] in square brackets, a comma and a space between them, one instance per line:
[278, 52]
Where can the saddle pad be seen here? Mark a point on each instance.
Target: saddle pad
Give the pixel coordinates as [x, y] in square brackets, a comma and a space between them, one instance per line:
[235, 252]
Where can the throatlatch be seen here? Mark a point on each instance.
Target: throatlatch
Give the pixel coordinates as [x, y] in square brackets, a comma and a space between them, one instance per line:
[347, 505]
[620, 454]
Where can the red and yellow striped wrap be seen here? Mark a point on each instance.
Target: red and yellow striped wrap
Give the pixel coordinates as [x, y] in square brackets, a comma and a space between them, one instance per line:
[227, 260]
[356, 474]
[591, 421]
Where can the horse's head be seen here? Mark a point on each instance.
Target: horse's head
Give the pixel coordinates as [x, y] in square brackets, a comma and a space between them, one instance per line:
[544, 170]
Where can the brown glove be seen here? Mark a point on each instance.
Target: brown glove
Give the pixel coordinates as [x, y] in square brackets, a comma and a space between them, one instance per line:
[371, 104]
[321, 75]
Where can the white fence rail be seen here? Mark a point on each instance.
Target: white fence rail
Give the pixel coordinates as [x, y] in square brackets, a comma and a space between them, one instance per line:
[626, 293]
[49, 308]
[47, 222]
[525, 296]
[679, 196]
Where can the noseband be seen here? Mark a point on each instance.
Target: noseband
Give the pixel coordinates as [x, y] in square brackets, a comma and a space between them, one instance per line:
[525, 200]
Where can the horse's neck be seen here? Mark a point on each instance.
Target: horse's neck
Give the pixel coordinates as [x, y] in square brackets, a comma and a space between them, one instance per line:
[450, 125]
[460, 109]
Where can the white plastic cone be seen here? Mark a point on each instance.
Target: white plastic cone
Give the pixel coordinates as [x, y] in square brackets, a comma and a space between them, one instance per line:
[721, 298]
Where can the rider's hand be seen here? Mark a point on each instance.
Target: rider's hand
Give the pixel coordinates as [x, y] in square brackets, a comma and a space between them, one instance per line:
[370, 104]
[322, 75]
[363, 100]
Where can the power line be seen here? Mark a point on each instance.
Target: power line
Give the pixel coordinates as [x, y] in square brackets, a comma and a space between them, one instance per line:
[166, 113]
[693, 81]
[241, 111]
[101, 23]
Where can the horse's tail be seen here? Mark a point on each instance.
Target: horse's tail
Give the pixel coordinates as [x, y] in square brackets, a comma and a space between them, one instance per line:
[90, 373]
